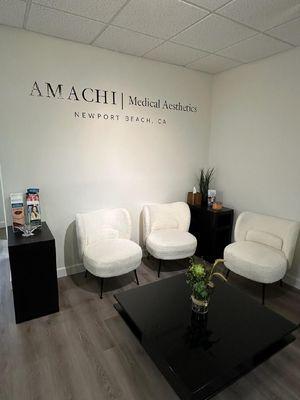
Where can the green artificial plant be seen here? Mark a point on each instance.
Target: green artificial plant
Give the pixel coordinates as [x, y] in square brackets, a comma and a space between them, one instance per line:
[200, 279]
[205, 180]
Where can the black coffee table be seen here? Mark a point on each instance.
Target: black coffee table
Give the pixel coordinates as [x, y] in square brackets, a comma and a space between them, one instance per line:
[201, 356]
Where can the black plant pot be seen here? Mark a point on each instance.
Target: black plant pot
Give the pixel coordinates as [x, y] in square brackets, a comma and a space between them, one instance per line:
[204, 201]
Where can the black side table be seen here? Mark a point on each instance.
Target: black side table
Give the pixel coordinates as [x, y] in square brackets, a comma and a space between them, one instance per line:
[33, 271]
[212, 229]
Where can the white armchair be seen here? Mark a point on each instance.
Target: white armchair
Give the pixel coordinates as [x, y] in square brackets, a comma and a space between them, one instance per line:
[104, 243]
[165, 230]
[263, 249]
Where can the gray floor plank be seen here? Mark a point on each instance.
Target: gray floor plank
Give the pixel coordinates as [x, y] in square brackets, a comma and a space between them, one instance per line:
[87, 352]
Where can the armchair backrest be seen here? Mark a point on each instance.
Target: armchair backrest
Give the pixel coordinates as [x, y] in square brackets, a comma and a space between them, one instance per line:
[165, 216]
[102, 224]
[278, 233]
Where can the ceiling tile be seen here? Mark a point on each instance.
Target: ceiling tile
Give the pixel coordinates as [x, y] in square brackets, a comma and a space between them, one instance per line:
[259, 46]
[12, 12]
[290, 32]
[175, 54]
[262, 14]
[213, 33]
[102, 10]
[162, 19]
[67, 26]
[125, 41]
[209, 4]
[213, 64]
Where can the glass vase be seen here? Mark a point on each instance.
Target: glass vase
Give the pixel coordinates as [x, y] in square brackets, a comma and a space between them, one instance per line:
[200, 306]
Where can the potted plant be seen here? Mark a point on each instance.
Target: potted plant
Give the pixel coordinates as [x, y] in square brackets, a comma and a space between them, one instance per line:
[200, 279]
[204, 182]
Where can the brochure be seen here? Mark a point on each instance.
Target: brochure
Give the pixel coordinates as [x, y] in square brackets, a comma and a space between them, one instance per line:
[212, 194]
[17, 207]
[33, 206]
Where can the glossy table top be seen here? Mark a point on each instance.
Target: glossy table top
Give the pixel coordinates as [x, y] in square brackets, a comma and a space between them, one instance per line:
[200, 356]
[41, 234]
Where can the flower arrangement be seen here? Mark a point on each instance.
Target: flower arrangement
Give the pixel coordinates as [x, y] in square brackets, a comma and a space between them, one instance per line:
[200, 279]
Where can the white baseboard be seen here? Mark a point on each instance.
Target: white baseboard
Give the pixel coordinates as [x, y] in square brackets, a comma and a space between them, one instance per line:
[292, 281]
[69, 270]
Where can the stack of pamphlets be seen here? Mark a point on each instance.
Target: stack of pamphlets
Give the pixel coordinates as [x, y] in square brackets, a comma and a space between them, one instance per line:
[212, 194]
[33, 206]
[17, 207]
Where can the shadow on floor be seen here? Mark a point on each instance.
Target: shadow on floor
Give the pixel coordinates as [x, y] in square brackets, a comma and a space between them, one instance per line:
[167, 265]
[113, 284]
[124, 282]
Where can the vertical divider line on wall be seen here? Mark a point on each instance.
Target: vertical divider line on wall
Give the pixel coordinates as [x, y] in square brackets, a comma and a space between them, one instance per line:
[3, 201]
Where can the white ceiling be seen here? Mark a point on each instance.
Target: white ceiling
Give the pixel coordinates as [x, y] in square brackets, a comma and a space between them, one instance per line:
[206, 35]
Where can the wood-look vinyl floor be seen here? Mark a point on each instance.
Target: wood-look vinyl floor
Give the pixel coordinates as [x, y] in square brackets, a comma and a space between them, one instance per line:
[87, 352]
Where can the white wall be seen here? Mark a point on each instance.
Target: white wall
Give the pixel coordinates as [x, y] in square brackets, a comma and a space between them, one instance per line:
[82, 165]
[255, 139]
[2, 223]
[85, 164]
[2, 216]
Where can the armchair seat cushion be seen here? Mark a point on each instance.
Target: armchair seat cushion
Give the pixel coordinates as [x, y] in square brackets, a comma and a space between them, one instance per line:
[112, 257]
[255, 261]
[171, 244]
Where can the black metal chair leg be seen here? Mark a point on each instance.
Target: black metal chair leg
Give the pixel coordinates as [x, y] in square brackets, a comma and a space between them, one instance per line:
[227, 273]
[136, 277]
[101, 287]
[263, 293]
[159, 268]
[281, 283]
